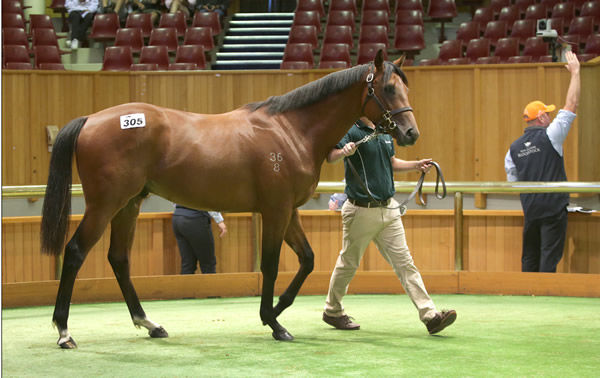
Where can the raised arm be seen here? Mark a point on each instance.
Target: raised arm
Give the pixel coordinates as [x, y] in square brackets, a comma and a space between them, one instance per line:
[575, 85]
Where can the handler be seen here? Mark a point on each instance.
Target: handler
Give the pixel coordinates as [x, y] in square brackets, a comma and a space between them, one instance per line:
[380, 220]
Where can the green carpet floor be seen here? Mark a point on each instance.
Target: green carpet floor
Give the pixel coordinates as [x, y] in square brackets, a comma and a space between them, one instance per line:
[501, 336]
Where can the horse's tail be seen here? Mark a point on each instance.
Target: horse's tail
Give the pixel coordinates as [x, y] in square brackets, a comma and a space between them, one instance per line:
[57, 201]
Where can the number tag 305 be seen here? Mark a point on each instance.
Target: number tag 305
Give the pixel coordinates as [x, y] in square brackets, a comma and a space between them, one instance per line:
[130, 121]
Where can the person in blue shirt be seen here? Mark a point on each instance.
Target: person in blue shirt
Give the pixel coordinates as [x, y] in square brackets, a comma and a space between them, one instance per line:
[195, 239]
[538, 156]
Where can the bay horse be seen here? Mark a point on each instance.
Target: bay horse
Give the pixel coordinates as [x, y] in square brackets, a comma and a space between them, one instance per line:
[264, 157]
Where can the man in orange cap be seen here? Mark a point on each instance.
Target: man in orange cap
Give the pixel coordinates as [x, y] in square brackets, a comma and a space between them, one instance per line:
[538, 156]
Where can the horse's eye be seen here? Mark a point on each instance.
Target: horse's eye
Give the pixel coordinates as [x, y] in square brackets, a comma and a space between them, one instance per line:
[389, 89]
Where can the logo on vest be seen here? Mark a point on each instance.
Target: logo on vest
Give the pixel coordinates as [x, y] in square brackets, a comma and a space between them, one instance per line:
[528, 150]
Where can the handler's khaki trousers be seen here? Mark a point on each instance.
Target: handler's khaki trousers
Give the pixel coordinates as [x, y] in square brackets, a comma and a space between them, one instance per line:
[384, 227]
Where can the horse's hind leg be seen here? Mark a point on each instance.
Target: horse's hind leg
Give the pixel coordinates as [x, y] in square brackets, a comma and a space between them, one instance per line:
[296, 239]
[87, 234]
[121, 240]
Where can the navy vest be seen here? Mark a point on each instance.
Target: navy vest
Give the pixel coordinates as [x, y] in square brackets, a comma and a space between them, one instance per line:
[537, 160]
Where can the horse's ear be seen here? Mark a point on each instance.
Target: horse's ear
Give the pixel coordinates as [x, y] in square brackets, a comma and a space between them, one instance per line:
[400, 61]
[379, 60]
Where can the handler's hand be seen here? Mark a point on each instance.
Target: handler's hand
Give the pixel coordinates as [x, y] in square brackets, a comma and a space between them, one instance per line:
[572, 62]
[423, 165]
[223, 228]
[349, 149]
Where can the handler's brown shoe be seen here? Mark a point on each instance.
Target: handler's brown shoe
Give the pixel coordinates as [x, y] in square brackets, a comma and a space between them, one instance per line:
[440, 321]
[341, 322]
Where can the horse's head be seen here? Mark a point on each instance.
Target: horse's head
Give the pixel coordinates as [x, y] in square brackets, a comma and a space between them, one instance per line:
[386, 101]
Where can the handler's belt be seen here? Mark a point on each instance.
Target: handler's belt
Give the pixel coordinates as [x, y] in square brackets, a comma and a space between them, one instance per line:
[369, 204]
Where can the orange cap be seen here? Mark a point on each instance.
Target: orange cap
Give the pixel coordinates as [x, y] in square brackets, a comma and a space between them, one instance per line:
[535, 108]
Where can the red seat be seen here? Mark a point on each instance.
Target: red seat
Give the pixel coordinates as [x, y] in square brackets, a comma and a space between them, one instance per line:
[295, 65]
[117, 58]
[335, 52]
[142, 21]
[450, 49]
[443, 11]
[483, 16]
[58, 6]
[46, 54]
[12, 20]
[104, 27]
[191, 54]
[52, 66]
[497, 5]
[586, 57]
[495, 30]
[182, 66]
[200, 35]
[155, 54]
[19, 66]
[582, 26]
[477, 48]
[15, 36]
[545, 59]
[9, 6]
[144, 67]
[509, 15]
[578, 4]
[535, 47]
[40, 21]
[591, 9]
[338, 34]
[409, 38]
[408, 5]
[334, 64]
[488, 60]
[174, 20]
[15, 54]
[308, 18]
[311, 5]
[523, 29]
[506, 47]
[592, 45]
[535, 12]
[520, 59]
[341, 17]
[375, 17]
[455, 61]
[429, 62]
[409, 17]
[566, 11]
[343, 5]
[131, 37]
[304, 34]
[164, 37]
[468, 31]
[367, 52]
[375, 34]
[299, 52]
[549, 4]
[523, 4]
[558, 24]
[383, 5]
[207, 19]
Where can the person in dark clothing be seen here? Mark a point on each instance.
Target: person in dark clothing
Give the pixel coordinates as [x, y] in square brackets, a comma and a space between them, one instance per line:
[538, 156]
[195, 239]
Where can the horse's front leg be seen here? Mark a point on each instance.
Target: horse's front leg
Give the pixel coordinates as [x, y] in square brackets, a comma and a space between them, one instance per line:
[296, 239]
[274, 226]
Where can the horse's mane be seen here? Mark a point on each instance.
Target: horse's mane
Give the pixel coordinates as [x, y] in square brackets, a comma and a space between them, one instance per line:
[319, 89]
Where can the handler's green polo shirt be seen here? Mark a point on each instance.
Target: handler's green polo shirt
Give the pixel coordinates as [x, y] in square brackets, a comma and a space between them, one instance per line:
[375, 169]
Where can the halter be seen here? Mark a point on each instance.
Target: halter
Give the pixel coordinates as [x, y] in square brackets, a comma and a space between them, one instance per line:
[387, 124]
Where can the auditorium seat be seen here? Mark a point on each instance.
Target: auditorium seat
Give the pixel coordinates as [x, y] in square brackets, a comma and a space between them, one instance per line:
[488, 60]
[520, 59]
[180, 66]
[558, 24]
[467, 31]
[497, 6]
[155, 54]
[506, 47]
[509, 15]
[58, 6]
[367, 52]
[13, 6]
[174, 20]
[299, 52]
[408, 5]
[450, 49]
[104, 27]
[334, 64]
[335, 52]
[142, 21]
[295, 65]
[429, 62]
[549, 4]
[592, 45]
[343, 5]
[143, 67]
[304, 34]
[456, 61]
[164, 37]
[200, 35]
[308, 18]
[581, 26]
[45, 54]
[578, 4]
[409, 17]
[374, 34]
[368, 5]
[523, 5]
[45, 37]
[15, 36]
[409, 39]
[523, 29]
[117, 58]
[15, 54]
[566, 11]
[341, 17]
[13, 20]
[207, 19]
[131, 37]
[477, 48]
[535, 12]
[442, 11]
[40, 21]
[375, 17]
[495, 30]
[191, 54]
[338, 34]
[535, 47]
[310, 5]
[482, 16]
[591, 9]
[19, 66]
[52, 66]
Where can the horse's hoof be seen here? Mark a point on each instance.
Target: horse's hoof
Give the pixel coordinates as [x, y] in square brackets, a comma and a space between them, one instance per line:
[68, 344]
[282, 335]
[159, 332]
